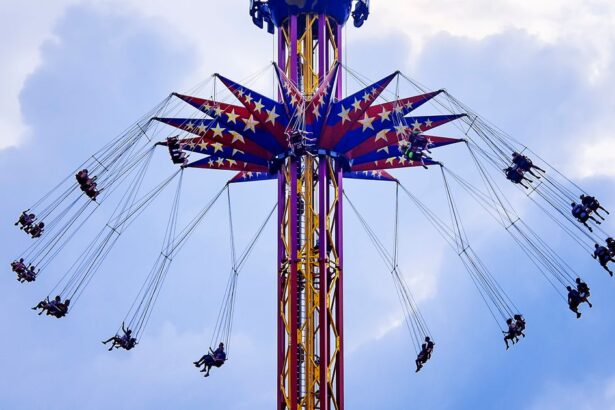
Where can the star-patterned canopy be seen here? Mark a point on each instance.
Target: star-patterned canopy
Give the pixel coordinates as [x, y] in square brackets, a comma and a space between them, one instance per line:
[368, 138]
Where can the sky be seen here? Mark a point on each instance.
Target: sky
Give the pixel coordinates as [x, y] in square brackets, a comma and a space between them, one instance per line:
[75, 73]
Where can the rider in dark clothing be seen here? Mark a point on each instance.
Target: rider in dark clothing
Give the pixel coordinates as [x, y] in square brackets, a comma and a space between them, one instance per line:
[515, 175]
[574, 300]
[520, 325]
[511, 334]
[19, 266]
[82, 177]
[36, 230]
[126, 341]
[593, 205]
[583, 290]
[581, 213]
[214, 358]
[25, 220]
[28, 275]
[425, 353]
[525, 164]
[610, 243]
[416, 149]
[603, 256]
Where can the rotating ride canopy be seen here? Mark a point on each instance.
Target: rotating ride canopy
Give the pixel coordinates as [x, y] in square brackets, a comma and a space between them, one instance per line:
[309, 140]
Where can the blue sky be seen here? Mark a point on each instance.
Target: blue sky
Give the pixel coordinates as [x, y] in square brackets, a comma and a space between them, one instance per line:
[76, 73]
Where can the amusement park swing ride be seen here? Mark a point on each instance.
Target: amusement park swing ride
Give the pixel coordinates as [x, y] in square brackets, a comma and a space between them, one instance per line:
[309, 138]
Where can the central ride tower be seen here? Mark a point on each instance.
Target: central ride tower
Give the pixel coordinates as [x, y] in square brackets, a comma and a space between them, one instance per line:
[310, 364]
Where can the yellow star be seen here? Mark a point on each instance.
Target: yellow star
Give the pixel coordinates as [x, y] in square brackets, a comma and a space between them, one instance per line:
[202, 128]
[218, 131]
[231, 162]
[237, 137]
[345, 115]
[235, 151]
[232, 117]
[271, 116]
[203, 145]
[403, 160]
[258, 106]
[293, 100]
[367, 96]
[251, 123]
[218, 111]
[217, 146]
[390, 160]
[366, 122]
[248, 98]
[385, 115]
[356, 104]
[190, 126]
[382, 135]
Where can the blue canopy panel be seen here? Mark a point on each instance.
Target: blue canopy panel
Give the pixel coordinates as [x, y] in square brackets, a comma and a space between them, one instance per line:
[282, 9]
[396, 149]
[392, 163]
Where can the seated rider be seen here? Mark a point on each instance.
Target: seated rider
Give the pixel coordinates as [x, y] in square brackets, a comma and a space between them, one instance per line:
[582, 215]
[28, 275]
[59, 310]
[19, 266]
[511, 334]
[25, 220]
[583, 290]
[82, 177]
[516, 176]
[46, 304]
[574, 300]
[177, 155]
[593, 205]
[126, 341]
[525, 164]
[416, 148]
[610, 243]
[520, 325]
[213, 358]
[36, 230]
[425, 354]
[603, 256]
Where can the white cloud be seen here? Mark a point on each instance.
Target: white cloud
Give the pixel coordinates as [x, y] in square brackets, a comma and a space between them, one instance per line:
[597, 158]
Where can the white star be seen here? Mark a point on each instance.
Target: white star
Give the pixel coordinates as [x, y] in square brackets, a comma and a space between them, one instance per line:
[240, 92]
[409, 105]
[218, 131]
[235, 151]
[382, 135]
[217, 146]
[401, 129]
[202, 128]
[367, 96]
[251, 123]
[428, 123]
[249, 174]
[271, 116]
[316, 112]
[237, 137]
[385, 115]
[366, 122]
[384, 149]
[356, 104]
[232, 117]
[399, 109]
[416, 125]
[344, 114]
[220, 162]
[248, 98]
[219, 111]
[258, 106]
[210, 163]
[190, 126]
[203, 145]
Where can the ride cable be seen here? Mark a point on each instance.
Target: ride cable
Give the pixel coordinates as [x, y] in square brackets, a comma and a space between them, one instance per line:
[224, 323]
[142, 307]
[76, 279]
[415, 322]
[496, 299]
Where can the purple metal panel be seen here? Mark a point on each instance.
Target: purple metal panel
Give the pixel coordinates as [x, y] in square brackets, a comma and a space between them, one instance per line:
[294, 72]
[293, 302]
[281, 285]
[339, 238]
[339, 304]
[323, 190]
